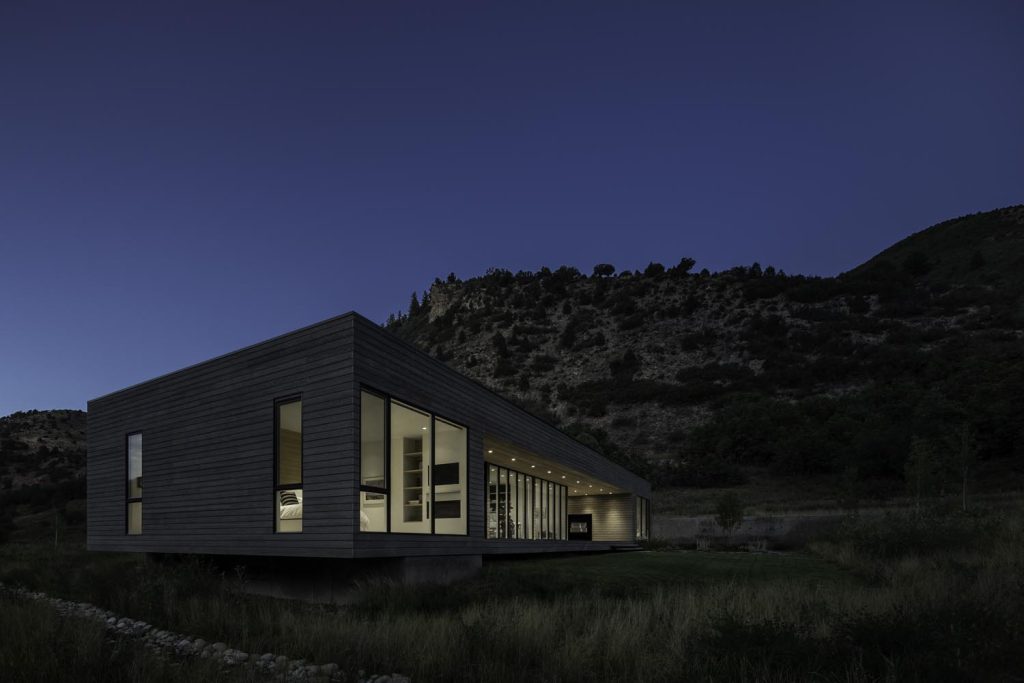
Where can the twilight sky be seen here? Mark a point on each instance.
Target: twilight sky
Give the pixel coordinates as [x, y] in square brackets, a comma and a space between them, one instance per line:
[179, 179]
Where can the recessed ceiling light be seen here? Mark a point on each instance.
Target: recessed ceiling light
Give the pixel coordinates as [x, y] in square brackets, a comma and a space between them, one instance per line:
[490, 451]
[532, 466]
[563, 476]
[549, 471]
[423, 428]
[577, 481]
[513, 459]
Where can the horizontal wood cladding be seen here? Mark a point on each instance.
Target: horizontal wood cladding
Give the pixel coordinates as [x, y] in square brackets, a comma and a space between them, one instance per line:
[612, 516]
[208, 451]
[387, 364]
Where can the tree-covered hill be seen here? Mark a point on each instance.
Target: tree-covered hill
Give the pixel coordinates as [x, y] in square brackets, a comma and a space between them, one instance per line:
[693, 375]
[42, 462]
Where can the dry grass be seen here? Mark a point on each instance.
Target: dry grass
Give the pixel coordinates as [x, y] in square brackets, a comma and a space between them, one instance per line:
[898, 599]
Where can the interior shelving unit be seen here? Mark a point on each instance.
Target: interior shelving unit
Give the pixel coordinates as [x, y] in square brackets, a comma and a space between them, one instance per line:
[413, 500]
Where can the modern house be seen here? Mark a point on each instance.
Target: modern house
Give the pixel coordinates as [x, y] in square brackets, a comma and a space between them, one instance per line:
[340, 440]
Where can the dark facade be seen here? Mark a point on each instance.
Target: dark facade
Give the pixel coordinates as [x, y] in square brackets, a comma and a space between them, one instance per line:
[213, 440]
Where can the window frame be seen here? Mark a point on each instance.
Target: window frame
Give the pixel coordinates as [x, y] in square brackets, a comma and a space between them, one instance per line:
[278, 402]
[386, 490]
[365, 488]
[547, 493]
[129, 499]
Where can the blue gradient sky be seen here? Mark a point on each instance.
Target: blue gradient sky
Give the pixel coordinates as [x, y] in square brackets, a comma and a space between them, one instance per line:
[181, 179]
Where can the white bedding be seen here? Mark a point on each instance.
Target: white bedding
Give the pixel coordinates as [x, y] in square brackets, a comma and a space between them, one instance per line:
[291, 511]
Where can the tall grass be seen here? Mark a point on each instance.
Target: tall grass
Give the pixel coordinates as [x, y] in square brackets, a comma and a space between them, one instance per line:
[37, 644]
[936, 599]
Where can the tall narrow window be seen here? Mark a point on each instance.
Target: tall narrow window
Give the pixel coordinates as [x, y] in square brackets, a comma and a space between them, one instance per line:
[288, 463]
[643, 519]
[449, 478]
[538, 497]
[492, 501]
[134, 497]
[373, 491]
[503, 503]
[411, 441]
[527, 508]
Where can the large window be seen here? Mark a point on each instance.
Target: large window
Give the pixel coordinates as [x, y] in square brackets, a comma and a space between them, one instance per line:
[520, 506]
[288, 466]
[413, 469]
[643, 519]
[133, 511]
[373, 485]
[411, 439]
[448, 478]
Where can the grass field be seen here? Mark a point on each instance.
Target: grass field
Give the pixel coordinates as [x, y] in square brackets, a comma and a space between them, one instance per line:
[901, 599]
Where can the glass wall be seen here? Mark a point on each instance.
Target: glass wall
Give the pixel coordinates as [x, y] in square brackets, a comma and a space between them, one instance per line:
[288, 452]
[373, 486]
[492, 501]
[520, 506]
[412, 469]
[134, 498]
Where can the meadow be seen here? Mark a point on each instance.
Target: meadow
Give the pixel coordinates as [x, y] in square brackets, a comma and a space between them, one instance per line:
[938, 596]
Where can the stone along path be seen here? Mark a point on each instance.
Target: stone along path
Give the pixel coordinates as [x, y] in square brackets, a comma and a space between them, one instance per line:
[169, 643]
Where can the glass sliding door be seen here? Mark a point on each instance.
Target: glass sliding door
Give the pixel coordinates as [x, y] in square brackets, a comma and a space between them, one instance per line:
[411, 450]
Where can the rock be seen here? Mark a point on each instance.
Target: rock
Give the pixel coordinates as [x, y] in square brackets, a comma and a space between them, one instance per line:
[329, 669]
[199, 643]
[219, 647]
[242, 656]
[266, 657]
[281, 661]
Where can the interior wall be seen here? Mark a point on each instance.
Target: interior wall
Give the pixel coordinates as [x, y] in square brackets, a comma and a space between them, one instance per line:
[612, 515]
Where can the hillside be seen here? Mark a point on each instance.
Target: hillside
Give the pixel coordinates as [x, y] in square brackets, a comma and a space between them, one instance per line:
[694, 375]
[42, 453]
[983, 249]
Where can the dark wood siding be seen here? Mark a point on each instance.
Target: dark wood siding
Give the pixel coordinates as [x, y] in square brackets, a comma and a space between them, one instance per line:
[388, 364]
[208, 462]
[612, 516]
[208, 449]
